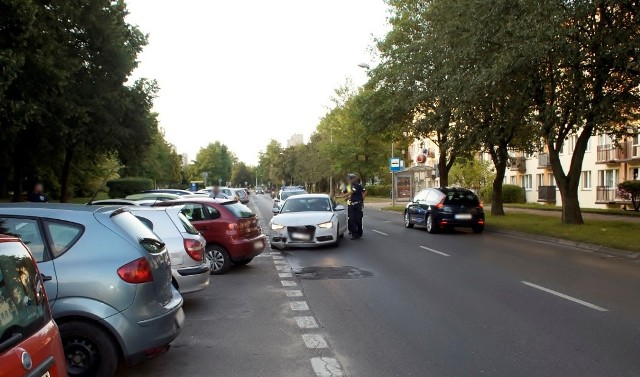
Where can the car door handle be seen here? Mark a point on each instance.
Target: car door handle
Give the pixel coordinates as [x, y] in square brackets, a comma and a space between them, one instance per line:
[46, 277]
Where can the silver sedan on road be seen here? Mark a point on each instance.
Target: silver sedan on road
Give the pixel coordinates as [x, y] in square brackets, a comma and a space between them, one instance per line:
[306, 221]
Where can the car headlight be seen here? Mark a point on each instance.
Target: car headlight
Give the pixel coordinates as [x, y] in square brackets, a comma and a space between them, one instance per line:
[326, 225]
[276, 226]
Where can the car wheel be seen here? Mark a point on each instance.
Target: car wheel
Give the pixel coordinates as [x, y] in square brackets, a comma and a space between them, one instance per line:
[219, 260]
[432, 227]
[242, 262]
[478, 229]
[407, 220]
[89, 350]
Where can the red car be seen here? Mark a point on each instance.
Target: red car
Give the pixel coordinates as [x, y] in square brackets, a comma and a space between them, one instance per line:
[231, 229]
[30, 343]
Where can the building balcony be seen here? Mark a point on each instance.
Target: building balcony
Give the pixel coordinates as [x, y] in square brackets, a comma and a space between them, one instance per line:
[547, 194]
[607, 195]
[544, 161]
[610, 154]
[519, 165]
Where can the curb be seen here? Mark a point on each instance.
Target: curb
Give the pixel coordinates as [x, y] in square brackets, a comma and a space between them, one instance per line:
[559, 241]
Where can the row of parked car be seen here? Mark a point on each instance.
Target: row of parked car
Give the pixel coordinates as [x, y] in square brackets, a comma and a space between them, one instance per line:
[114, 276]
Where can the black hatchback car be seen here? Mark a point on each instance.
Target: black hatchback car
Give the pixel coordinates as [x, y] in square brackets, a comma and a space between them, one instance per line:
[439, 208]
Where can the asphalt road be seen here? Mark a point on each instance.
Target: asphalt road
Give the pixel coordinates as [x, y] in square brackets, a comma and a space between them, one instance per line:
[402, 302]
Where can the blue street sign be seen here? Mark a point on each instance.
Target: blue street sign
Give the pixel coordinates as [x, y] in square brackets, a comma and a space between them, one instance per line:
[395, 164]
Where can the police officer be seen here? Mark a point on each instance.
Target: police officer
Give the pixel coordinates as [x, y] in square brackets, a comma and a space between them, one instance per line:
[355, 194]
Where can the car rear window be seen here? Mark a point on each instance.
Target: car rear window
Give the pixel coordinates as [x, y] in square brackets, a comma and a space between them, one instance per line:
[188, 227]
[23, 309]
[133, 226]
[239, 210]
[460, 198]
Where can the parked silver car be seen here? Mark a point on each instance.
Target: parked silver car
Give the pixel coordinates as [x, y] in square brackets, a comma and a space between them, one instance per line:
[189, 268]
[108, 278]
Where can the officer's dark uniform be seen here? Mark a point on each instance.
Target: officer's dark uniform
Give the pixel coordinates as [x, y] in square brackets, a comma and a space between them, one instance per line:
[356, 204]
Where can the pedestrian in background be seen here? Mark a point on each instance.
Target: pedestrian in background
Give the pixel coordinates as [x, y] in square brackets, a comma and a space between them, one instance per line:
[216, 194]
[37, 194]
[355, 194]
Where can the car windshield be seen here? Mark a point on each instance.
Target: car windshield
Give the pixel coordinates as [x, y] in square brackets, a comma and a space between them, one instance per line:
[23, 309]
[459, 197]
[287, 194]
[239, 210]
[306, 205]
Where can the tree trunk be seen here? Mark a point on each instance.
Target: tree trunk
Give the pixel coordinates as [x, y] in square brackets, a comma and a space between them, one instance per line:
[66, 173]
[444, 166]
[497, 205]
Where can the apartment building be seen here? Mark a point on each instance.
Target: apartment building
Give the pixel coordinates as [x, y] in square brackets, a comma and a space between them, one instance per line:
[606, 163]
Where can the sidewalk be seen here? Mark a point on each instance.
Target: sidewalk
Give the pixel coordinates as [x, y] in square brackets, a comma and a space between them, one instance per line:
[554, 214]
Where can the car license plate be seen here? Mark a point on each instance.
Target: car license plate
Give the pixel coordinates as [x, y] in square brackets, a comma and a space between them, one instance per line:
[300, 236]
[464, 216]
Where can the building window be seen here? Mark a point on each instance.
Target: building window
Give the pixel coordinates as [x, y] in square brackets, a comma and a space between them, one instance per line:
[512, 179]
[588, 149]
[586, 180]
[573, 139]
[527, 181]
[552, 179]
[539, 180]
[635, 146]
[608, 178]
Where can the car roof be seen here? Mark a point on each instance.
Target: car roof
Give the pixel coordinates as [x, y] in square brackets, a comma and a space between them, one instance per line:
[204, 199]
[325, 196]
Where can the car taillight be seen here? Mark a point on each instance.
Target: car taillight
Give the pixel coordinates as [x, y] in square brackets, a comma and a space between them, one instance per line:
[440, 205]
[481, 205]
[136, 272]
[195, 249]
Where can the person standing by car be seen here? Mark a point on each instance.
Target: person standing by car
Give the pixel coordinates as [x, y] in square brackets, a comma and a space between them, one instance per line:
[37, 195]
[355, 194]
[216, 194]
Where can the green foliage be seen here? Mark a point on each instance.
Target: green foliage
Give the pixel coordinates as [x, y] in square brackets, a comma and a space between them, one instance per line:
[510, 194]
[119, 188]
[631, 191]
[242, 175]
[471, 173]
[379, 190]
[160, 163]
[216, 160]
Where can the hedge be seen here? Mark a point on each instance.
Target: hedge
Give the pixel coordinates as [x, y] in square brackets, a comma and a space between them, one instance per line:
[379, 190]
[630, 190]
[510, 194]
[119, 188]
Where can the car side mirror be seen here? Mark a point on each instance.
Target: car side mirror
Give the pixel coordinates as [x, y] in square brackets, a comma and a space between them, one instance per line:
[275, 210]
[339, 207]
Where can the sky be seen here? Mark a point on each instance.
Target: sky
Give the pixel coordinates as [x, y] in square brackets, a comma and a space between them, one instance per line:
[246, 72]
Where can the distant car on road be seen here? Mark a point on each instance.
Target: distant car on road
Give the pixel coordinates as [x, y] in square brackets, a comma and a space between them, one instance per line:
[108, 278]
[308, 220]
[440, 208]
[30, 342]
[285, 193]
[259, 191]
[231, 229]
[189, 267]
[243, 195]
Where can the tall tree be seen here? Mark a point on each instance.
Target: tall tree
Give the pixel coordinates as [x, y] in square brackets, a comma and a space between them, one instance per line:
[216, 160]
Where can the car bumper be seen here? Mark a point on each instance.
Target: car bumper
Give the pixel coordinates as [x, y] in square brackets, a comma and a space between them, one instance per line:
[247, 248]
[192, 279]
[150, 337]
[281, 238]
[449, 219]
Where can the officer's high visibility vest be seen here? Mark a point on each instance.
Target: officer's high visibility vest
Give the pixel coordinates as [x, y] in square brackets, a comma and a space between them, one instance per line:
[349, 191]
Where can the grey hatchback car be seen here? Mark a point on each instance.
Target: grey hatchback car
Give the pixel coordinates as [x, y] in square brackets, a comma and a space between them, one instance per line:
[108, 278]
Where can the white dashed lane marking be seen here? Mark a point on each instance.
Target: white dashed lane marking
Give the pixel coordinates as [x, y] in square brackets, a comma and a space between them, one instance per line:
[306, 322]
[566, 297]
[283, 267]
[379, 232]
[435, 251]
[299, 306]
[326, 367]
[280, 261]
[294, 293]
[314, 341]
[278, 257]
[288, 283]
[285, 274]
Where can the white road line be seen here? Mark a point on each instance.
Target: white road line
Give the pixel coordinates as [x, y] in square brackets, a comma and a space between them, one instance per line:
[299, 306]
[278, 257]
[282, 267]
[435, 251]
[326, 367]
[379, 232]
[306, 322]
[387, 222]
[285, 274]
[288, 283]
[294, 293]
[314, 341]
[280, 261]
[576, 300]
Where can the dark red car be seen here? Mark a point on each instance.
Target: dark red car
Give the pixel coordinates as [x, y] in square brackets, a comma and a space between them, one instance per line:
[231, 229]
[30, 342]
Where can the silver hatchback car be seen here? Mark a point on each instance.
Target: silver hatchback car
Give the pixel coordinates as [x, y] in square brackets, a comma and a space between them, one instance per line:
[108, 278]
[189, 268]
